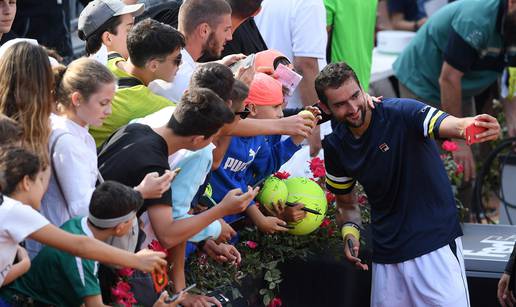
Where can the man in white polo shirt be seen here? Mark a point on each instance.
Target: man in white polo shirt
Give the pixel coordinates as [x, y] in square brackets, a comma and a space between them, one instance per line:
[297, 28]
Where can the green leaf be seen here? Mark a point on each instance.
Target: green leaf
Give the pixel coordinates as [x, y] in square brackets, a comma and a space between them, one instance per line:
[267, 299]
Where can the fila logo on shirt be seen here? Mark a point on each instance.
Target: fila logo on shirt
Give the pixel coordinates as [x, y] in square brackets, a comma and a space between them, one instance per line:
[236, 165]
[384, 147]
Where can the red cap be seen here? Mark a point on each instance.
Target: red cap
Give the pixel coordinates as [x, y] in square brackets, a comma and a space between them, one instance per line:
[266, 58]
[265, 91]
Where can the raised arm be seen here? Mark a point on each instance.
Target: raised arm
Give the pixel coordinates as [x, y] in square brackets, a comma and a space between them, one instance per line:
[453, 127]
[89, 248]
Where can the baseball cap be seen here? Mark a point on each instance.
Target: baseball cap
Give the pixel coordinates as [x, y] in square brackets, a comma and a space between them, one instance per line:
[97, 12]
[268, 58]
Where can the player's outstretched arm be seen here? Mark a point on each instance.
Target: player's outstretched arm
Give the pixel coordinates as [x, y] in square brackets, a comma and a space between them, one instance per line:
[453, 127]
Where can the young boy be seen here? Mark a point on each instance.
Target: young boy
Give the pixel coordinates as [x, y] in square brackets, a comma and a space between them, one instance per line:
[257, 156]
[59, 278]
[136, 149]
[196, 165]
[154, 53]
[104, 24]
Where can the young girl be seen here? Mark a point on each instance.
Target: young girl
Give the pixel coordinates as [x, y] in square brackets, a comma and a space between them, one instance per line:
[84, 91]
[25, 181]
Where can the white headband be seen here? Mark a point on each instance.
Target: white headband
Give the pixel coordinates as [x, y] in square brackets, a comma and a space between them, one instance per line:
[110, 223]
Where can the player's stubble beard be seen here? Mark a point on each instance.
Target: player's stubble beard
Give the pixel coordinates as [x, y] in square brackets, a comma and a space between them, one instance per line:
[358, 123]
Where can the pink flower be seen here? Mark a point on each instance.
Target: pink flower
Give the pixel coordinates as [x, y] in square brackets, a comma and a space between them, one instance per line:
[330, 197]
[362, 199]
[275, 302]
[460, 169]
[126, 272]
[122, 292]
[127, 301]
[123, 286]
[317, 167]
[325, 223]
[282, 175]
[251, 244]
[450, 146]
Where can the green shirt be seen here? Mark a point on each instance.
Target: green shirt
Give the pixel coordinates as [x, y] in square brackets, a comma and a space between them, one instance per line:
[113, 59]
[129, 103]
[56, 277]
[353, 24]
[465, 34]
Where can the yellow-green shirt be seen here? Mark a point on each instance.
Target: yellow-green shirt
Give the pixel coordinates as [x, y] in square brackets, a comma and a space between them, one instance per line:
[129, 103]
[113, 59]
[353, 24]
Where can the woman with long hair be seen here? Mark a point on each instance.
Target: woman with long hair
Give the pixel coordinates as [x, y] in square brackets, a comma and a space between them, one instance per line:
[26, 86]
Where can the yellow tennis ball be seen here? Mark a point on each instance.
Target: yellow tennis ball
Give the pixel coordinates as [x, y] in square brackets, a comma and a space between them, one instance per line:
[308, 113]
[311, 195]
[273, 190]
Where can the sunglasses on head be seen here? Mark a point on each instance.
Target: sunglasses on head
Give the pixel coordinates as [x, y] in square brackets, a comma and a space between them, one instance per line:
[243, 114]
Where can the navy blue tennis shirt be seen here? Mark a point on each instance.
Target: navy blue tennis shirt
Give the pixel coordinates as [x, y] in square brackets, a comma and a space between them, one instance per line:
[396, 160]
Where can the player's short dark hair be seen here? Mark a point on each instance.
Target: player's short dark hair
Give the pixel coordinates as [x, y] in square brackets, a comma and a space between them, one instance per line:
[200, 112]
[214, 76]
[150, 39]
[192, 13]
[112, 199]
[244, 8]
[333, 76]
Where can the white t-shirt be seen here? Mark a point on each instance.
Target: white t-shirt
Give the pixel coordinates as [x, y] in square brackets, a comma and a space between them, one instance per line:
[75, 160]
[17, 221]
[295, 28]
[174, 91]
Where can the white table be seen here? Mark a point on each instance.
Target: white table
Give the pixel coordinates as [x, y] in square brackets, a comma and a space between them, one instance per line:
[381, 67]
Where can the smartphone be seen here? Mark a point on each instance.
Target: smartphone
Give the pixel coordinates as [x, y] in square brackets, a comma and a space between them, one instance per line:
[351, 247]
[174, 297]
[223, 300]
[245, 63]
[471, 132]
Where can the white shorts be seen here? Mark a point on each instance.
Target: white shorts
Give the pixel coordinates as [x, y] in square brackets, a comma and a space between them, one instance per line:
[434, 279]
